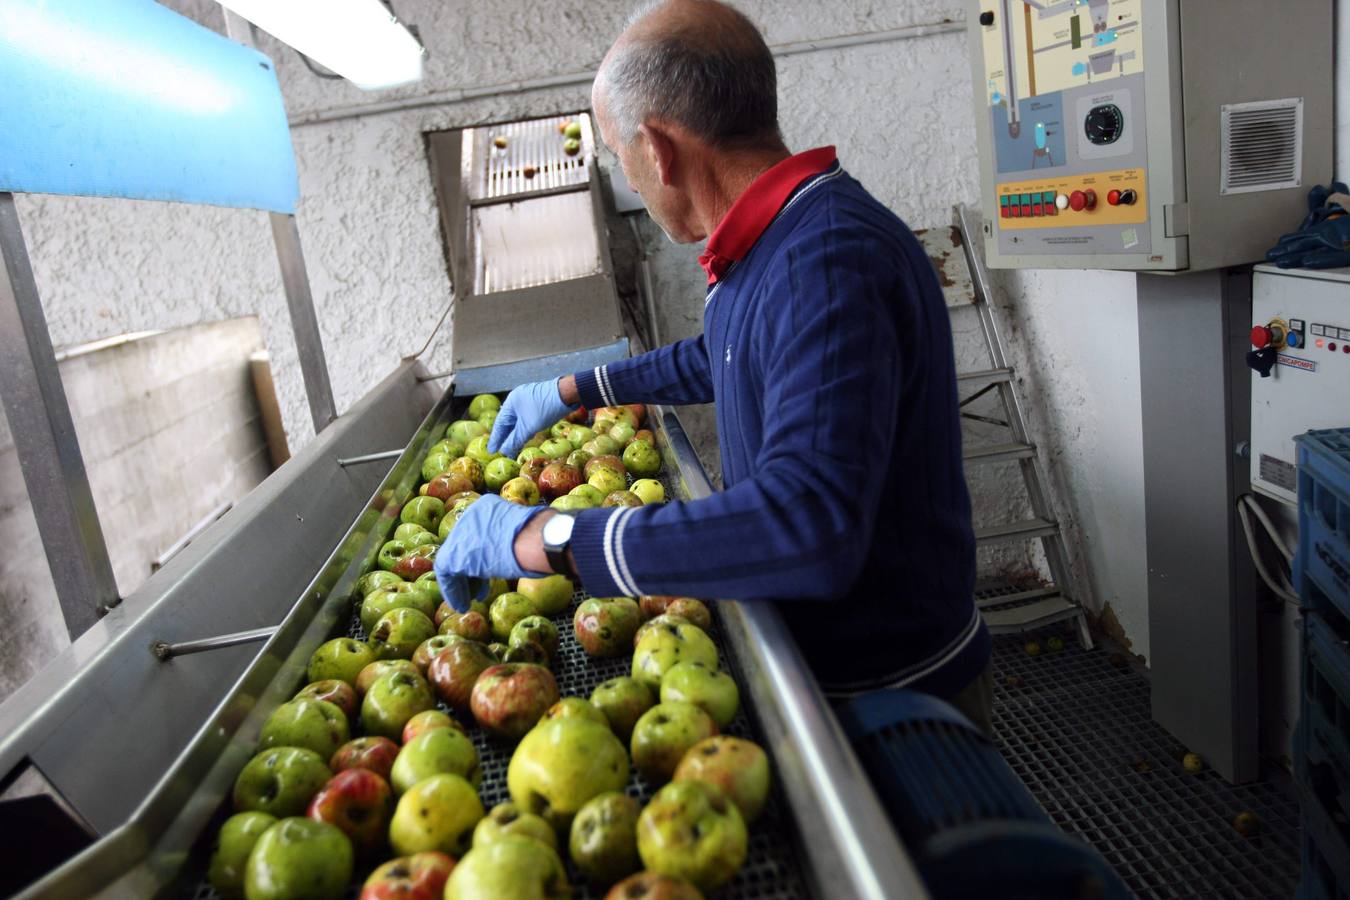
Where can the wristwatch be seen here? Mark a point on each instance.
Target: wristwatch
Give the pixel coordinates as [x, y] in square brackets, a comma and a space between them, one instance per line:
[557, 535]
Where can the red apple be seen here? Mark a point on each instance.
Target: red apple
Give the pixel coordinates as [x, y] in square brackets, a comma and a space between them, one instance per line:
[650, 886]
[557, 479]
[470, 625]
[447, 485]
[366, 677]
[339, 693]
[455, 669]
[375, 754]
[653, 605]
[533, 468]
[359, 803]
[509, 699]
[608, 461]
[441, 612]
[421, 876]
[428, 720]
[578, 416]
[644, 435]
[428, 649]
[416, 562]
[639, 413]
[693, 610]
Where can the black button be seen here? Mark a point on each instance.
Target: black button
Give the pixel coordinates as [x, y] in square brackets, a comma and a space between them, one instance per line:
[987, 18]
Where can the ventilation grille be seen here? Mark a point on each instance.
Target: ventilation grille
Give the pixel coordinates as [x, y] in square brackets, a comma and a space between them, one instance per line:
[1262, 146]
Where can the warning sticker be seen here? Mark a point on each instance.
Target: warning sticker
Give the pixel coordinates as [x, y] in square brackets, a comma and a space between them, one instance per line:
[1278, 472]
[1295, 362]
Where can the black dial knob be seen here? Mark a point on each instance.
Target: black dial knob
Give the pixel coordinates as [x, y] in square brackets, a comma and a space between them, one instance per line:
[1104, 124]
[987, 18]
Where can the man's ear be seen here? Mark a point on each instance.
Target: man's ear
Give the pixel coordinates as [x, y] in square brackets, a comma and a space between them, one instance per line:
[660, 150]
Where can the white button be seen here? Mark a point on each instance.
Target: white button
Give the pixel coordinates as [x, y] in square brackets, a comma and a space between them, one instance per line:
[1062, 201]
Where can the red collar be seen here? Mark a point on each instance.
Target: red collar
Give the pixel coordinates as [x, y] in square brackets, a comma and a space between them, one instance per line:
[756, 207]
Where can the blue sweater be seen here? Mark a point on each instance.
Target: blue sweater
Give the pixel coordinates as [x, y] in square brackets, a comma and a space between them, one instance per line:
[828, 351]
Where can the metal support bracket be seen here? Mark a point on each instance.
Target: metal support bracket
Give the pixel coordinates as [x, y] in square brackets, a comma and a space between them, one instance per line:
[371, 457]
[308, 342]
[45, 439]
[165, 651]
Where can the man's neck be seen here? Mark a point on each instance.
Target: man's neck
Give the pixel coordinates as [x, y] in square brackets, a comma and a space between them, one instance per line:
[724, 177]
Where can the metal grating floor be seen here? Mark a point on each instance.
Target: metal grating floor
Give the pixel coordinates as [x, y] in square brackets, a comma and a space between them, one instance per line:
[1077, 731]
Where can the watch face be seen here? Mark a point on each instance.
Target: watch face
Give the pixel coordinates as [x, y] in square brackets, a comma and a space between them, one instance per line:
[558, 530]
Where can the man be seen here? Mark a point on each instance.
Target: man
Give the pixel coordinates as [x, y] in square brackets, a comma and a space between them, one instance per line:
[828, 350]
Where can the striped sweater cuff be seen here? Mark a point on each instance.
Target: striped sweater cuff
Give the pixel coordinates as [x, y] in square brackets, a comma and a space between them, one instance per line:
[594, 388]
[597, 548]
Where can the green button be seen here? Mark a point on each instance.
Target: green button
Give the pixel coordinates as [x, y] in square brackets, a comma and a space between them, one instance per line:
[1003, 201]
[1026, 199]
[1049, 196]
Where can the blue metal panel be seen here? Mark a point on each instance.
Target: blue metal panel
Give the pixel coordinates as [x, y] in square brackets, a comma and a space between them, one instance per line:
[125, 98]
[506, 376]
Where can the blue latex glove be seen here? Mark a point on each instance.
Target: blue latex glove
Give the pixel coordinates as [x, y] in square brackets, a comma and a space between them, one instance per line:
[482, 546]
[1321, 246]
[528, 409]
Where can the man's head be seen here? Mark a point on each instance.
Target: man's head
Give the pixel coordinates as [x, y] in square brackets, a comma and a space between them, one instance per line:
[688, 80]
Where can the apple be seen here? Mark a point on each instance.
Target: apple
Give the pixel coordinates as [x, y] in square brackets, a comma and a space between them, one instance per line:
[665, 642]
[507, 819]
[464, 430]
[407, 530]
[299, 857]
[507, 610]
[382, 667]
[532, 468]
[623, 700]
[528, 453]
[316, 724]
[234, 843]
[521, 490]
[691, 830]
[605, 461]
[578, 435]
[392, 700]
[436, 464]
[436, 751]
[472, 626]
[425, 512]
[528, 652]
[391, 553]
[694, 611]
[739, 768]
[513, 868]
[621, 433]
[454, 671]
[427, 585]
[642, 459]
[606, 480]
[498, 650]
[601, 445]
[427, 650]
[622, 498]
[578, 458]
[653, 605]
[421, 876]
[358, 802]
[482, 403]
[605, 626]
[471, 469]
[497, 472]
[508, 699]
[560, 428]
[280, 781]
[398, 632]
[561, 764]
[603, 841]
[663, 735]
[451, 448]
[663, 619]
[587, 491]
[652, 886]
[416, 562]
[341, 658]
[617, 414]
[373, 753]
[556, 448]
[339, 693]
[374, 579]
[404, 595]
[571, 502]
[576, 707]
[447, 485]
[550, 595]
[478, 451]
[649, 490]
[535, 630]
[571, 146]
[557, 479]
[712, 691]
[645, 434]
[428, 720]
[438, 813]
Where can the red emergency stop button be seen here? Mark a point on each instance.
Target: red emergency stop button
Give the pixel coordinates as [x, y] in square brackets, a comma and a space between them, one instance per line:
[1113, 198]
[1260, 336]
[1077, 201]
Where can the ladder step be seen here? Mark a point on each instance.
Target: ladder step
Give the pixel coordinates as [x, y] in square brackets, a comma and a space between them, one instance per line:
[1031, 528]
[1030, 616]
[999, 453]
[1003, 374]
[1019, 597]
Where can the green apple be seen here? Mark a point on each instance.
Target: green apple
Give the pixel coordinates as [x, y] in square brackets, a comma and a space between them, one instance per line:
[649, 490]
[488, 419]
[578, 435]
[478, 450]
[603, 842]
[436, 464]
[601, 445]
[662, 620]
[535, 630]
[421, 540]
[663, 644]
[233, 845]
[513, 868]
[428, 720]
[482, 403]
[572, 131]
[621, 498]
[560, 428]
[464, 431]
[437, 813]
[690, 830]
[315, 724]
[341, 658]
[450, 447]
[497, 472]
[398, 633]
[696, 682]
[280, 781]
[642, 459]
[593, 496]
[692, 610]
[578, 707]
[299, 857]
[621, 433]
[391, 553]
[624, 414]
[407, 530]
[664, 734]
[374, 579]
[427, 585]
[372, 672]
[623, 700]
[578, 458]
[528, 454]
[605, 626]
[571, 501]
[507, 610]
[738, 767]
[522, 491]
[339, 693]
[606, 480]
[392, 700]
[471, 469]
[556, 448]
[563, 762]
[433, 752]
[404, 595]
[652, 886]
[423, 511]
[550, 595]
[507, 819]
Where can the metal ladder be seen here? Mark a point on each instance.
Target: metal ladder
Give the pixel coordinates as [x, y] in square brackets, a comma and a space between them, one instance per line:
[1005, 609]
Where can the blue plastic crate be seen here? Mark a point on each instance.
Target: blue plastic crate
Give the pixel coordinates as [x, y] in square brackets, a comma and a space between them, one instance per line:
[1328, 830]
[1325, 713]
[1324, 516]
[1319, 879]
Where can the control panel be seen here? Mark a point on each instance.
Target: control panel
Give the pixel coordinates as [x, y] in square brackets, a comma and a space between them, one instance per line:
[1300, 355]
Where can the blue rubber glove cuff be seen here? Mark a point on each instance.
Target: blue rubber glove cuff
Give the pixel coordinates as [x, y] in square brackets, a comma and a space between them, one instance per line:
[482, 546]
[529, 408]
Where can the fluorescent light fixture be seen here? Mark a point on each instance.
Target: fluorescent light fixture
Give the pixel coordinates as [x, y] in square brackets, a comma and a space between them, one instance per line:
[357, 39]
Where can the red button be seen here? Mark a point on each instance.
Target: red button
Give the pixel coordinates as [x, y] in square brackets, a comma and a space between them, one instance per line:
[1345, 348]
[1332, 346]
[1260, 336]
[1113, 197]
[1091, 197]
[1077, 200]
[1017, 212]
[1036, 210]
[1007, 212]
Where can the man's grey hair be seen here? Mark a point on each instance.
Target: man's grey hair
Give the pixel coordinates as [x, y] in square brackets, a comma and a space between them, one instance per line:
[718, 80]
